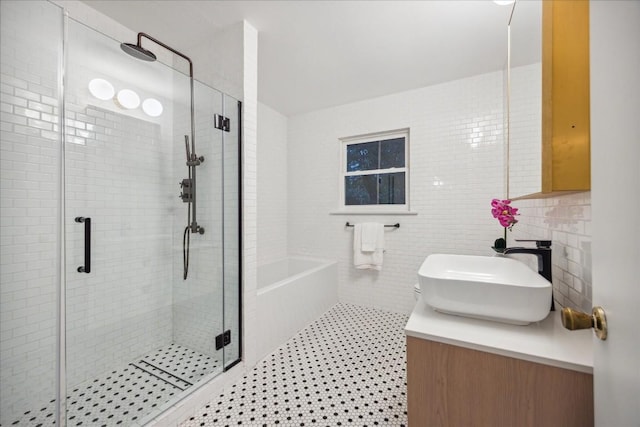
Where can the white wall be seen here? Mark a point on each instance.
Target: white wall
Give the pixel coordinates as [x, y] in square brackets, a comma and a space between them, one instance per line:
[218, 60]
[249, 82]
[456, 137]
[272, 185]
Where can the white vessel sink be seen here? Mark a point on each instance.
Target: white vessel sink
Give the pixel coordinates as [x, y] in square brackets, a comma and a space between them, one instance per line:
[492, 288]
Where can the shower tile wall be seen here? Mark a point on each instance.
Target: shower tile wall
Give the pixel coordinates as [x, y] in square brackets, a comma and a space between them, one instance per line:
[456, 160]
[123, 309]
[29, 154]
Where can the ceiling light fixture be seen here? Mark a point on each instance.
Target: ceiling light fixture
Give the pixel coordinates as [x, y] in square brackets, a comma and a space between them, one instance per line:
[504, 2]
[128, 99]
[101, 89]
[152, 107]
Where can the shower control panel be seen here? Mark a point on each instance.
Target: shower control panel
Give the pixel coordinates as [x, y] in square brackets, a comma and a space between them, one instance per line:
[187, 194]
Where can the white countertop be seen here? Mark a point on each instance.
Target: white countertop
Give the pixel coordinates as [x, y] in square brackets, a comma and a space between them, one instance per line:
[545, 342]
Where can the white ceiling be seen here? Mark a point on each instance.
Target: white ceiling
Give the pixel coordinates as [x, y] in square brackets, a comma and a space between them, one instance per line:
[317, 54]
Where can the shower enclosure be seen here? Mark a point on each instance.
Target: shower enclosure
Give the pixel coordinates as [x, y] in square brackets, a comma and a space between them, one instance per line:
[98, 324]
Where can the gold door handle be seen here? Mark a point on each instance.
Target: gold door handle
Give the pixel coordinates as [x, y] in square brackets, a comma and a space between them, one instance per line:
[573, 320]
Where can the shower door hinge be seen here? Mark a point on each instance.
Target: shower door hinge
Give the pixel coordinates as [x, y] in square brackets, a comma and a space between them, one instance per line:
[222, 122]
[223, 339]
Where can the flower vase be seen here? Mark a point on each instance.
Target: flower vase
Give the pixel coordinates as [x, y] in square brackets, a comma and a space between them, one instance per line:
[500, 244]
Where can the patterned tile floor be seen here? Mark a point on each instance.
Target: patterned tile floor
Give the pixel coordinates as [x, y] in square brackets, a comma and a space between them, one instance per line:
[345, 369]
[129, 393]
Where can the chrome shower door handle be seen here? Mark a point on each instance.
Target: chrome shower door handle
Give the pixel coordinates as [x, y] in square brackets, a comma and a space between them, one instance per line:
[86, 268]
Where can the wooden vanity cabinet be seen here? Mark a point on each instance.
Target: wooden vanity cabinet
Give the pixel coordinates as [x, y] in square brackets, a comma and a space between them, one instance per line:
[449, 385]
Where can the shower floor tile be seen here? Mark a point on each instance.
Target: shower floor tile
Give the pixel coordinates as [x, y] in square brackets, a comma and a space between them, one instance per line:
[126, 395]
[180, 362]
[345, 369]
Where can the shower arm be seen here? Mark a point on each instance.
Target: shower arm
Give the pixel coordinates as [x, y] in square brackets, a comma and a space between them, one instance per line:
[169, 48]
[193, 160]
[183, 56]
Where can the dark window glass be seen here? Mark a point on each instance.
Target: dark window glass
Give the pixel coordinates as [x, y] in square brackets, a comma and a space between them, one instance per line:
[376, 189]
[391, 189]
[362, 157]
[392, 153]
[361, 190]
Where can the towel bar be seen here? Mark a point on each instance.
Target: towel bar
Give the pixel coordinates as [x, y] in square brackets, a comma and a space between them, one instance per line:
[396, 225]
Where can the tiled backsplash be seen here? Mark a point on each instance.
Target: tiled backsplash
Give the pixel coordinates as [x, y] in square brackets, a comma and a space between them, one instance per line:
[566, 220]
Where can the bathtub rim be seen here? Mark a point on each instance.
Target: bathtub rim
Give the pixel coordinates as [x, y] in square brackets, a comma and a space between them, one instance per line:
[324, 263]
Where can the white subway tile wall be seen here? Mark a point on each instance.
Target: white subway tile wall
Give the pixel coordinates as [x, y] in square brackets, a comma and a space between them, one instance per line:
[249, 190]
[566, 221]
[30, 154]
[123, 308]
[525, 130]
[272, 185]
[456, 160]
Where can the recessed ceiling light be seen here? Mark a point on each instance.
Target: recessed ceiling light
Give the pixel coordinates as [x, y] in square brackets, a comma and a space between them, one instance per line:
[503, 2]
[128, 99]
[101, 89]
[152, 107]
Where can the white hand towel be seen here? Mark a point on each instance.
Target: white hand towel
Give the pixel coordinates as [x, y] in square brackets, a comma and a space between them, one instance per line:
[369, 236]
[368, 259]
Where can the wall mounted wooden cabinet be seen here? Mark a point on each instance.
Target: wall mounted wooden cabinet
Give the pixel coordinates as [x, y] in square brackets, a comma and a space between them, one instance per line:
[565, 119]
[566, 153]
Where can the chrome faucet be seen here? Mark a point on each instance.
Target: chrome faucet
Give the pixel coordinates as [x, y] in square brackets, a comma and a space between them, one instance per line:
[543, 252]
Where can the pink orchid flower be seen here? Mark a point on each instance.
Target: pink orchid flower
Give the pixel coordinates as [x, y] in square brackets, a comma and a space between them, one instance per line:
[505, 213]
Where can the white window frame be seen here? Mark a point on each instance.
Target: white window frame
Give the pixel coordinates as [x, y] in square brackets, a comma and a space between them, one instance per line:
[371, 137]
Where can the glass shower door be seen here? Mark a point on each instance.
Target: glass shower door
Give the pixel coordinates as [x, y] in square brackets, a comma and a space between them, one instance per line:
[138, 336]
[232, 218]
[31, 36]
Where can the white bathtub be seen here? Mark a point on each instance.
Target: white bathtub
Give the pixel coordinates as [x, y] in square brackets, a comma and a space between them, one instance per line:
[292, 293]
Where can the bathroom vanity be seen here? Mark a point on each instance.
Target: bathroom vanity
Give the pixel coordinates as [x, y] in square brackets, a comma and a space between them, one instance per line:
[463, 371]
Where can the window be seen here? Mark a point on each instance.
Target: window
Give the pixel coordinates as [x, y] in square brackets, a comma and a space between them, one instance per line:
[374, 172]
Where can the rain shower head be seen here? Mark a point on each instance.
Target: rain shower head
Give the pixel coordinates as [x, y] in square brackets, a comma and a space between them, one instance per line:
[138, 52]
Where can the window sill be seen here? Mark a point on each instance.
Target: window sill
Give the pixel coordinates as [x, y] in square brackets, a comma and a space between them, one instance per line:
[381, 213]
